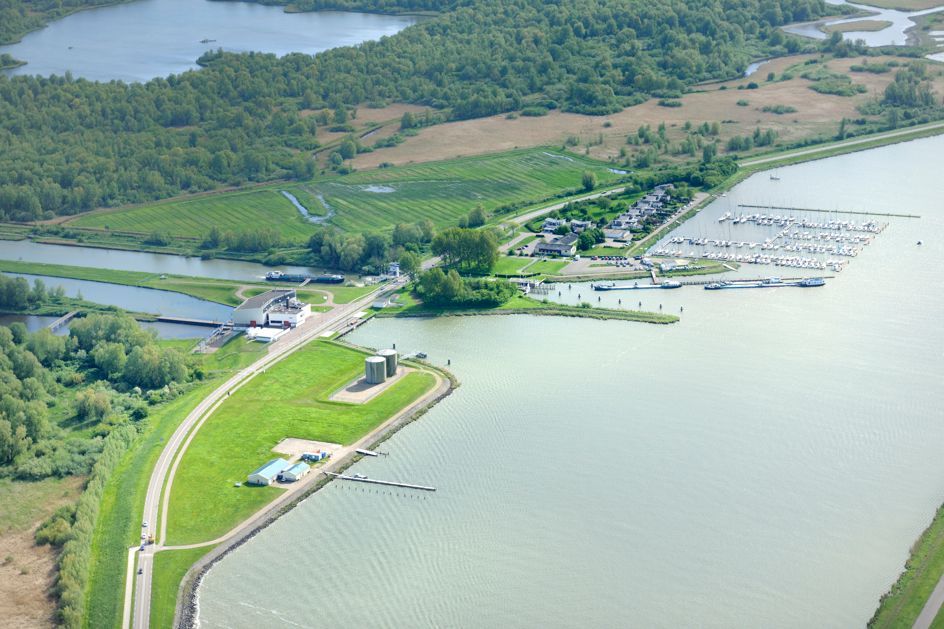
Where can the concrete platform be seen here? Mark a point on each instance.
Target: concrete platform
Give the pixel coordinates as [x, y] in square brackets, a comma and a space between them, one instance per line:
[294, 448]
[359, 392]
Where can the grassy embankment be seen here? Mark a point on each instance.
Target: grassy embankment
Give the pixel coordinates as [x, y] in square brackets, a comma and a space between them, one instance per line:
[119, 522]
[374, 200]
[901, 605]
[170, 567]
[520, 304]
[220, 291]
[290, 399]
[857, 26]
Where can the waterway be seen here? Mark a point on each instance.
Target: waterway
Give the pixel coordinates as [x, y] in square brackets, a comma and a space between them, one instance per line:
[766, 462]
[145, 39]
[895, 34]
[29, 251]
[137, 299]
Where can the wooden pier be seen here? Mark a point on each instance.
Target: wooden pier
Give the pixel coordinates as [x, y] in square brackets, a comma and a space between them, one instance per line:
[63, 320]
[386, 483]
[808, 209]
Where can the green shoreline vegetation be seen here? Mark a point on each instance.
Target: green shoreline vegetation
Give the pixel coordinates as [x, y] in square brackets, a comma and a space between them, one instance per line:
[900, 606]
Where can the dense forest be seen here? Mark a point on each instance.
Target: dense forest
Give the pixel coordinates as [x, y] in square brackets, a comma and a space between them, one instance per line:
[62, 395]
[18, 17]
[72, 145]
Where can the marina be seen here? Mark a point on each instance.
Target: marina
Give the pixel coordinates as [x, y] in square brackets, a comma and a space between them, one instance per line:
[803, 538]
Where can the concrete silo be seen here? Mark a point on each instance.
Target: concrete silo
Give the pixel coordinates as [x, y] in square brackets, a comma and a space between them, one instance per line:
[375, 369]
[391, 358]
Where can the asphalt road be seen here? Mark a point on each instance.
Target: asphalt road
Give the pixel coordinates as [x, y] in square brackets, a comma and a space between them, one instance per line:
[167, 462]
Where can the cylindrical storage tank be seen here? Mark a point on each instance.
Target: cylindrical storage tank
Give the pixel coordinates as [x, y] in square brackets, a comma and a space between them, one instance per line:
[375, 369]
[389, 355]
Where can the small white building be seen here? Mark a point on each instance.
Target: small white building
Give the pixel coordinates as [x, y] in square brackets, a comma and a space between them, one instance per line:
[268, 473]
[294, 473]
[289, 314]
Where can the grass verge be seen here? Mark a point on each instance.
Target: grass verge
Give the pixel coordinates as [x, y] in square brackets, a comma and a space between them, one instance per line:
[170, 566]
[900, 606]
[289, 399]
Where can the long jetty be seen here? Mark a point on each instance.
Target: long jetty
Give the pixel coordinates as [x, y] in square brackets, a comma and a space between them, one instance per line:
[809, 209]
[739, 280]
[61, 321]
[374, 481]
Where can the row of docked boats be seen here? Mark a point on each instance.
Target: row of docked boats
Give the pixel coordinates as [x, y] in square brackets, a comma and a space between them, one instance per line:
[770, 282]
[770, 220]
[794, 262]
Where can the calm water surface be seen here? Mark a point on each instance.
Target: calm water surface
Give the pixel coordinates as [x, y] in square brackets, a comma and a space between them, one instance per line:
[767, 462]
[895, 34]
[29, 251]
[151, 38]
[137, 299]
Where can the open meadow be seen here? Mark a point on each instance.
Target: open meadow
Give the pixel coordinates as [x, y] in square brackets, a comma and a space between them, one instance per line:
[193, 217]
[290, 399]
[365, 201]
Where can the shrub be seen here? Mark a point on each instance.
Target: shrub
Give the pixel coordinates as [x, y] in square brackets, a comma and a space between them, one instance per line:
[779, 109]
[669, 103]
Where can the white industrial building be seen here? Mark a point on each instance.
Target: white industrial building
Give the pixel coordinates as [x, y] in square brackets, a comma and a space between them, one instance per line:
[278, 307]
[268, 473]
[294, 473]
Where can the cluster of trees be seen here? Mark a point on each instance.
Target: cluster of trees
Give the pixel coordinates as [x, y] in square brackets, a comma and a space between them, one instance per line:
[468, 250]
[911, 88]
[589, 238]
[96, 376]
[70, 145]
[440, 288]
[747, 142]
[261, 239]
[476, 218]
[370, 251]
[16, 293]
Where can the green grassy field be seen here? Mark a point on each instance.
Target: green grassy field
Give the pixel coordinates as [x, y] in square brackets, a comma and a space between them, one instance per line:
[26, 502]
[235, 211]
[364, 201]
[901, 606]
[514, 265]
[170, 567]
[444, 191]
[288, 400]
[119, 522]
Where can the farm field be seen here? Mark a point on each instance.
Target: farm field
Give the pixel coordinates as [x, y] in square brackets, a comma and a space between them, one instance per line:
[192, 218]
[290, 399]
[365, 201]
[444, 191]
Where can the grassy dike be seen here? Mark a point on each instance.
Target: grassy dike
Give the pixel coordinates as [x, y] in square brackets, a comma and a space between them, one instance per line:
[119, 523]
[526, 305]
[902, 604]
[219, 291]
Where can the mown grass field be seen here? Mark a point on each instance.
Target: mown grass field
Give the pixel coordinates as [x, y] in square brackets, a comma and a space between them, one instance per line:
[366, 201]
[119, 522]
[170, 567]
[234, 211]
[444, 191]
[287, 400]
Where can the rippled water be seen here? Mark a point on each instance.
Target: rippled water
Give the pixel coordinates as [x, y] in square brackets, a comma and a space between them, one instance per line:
[144, 39]
[767, 462]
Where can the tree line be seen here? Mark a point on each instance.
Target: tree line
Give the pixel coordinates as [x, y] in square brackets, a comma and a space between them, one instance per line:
[71, 145]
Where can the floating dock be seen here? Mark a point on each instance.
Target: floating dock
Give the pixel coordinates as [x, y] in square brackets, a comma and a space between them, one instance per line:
[374, 481]
[810, 209]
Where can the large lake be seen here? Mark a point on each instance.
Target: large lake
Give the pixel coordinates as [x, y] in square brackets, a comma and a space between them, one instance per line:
[767, 462]
[151, 38]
